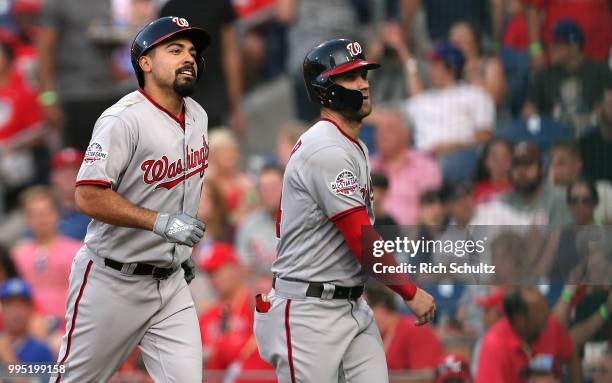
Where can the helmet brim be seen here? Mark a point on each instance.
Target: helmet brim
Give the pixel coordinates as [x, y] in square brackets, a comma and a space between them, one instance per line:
[350, 66]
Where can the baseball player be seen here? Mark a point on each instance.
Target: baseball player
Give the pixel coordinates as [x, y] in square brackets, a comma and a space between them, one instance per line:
[314, 326]
[141, 181]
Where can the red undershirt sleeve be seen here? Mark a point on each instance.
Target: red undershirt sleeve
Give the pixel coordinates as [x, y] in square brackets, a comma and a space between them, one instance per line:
[350, 225]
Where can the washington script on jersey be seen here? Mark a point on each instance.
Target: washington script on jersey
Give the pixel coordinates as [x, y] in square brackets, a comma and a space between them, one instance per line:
[162, 169]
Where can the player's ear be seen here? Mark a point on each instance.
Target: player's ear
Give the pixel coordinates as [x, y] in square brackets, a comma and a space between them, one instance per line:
[145, 63]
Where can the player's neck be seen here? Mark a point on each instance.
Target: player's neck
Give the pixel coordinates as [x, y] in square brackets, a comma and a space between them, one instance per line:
[349, 127]
[168, 100]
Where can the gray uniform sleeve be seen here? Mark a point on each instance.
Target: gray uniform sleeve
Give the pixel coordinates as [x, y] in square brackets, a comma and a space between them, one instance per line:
[332, 178]
[109, 152]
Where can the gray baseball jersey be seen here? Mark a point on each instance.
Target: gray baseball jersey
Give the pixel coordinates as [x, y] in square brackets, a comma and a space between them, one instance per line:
[142, 153]
[326, 178]
[157, 161]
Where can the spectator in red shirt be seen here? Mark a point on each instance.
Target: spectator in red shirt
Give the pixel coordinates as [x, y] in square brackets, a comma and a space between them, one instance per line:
[453, 368]
[527, 332]
[407, 346]
[227, 327]
[25, 15]
[492, 311]
[514, 34]
[593, 16]
[20, 124]
[493, 170]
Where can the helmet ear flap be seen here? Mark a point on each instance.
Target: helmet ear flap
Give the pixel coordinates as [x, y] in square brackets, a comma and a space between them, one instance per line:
[342, 98]
[334, 96]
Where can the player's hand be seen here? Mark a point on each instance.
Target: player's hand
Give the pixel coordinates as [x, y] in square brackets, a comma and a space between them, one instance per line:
[189, 268]
[179, 228]
[422, 306]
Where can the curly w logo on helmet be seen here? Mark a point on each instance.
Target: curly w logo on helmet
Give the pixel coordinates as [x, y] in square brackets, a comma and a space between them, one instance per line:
[181, 22]
[354, 48]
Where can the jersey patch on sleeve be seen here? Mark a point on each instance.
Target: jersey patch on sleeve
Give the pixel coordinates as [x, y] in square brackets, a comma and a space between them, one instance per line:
[346, 183]
[94, 153]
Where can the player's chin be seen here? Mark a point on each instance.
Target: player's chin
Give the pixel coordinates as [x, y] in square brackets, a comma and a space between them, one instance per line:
[366, 110]
[184, 87]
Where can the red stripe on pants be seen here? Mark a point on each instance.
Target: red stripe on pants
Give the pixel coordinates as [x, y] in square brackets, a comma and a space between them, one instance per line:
[288, 333]
[74, 317]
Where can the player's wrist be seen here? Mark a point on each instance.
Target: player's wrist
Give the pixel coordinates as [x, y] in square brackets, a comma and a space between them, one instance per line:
[161, 221]
[406, 291]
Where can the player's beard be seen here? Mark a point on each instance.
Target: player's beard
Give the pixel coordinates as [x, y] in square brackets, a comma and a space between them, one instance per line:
[183, 86]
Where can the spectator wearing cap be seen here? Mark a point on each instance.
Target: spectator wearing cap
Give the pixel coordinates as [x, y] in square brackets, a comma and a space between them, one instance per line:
[408, 171]
[593, 17]
[566, 168]
[491, 311]
[65, 165]
[227, 326]
[528, 331]
[256, 236]
[453, 118]
[453, 368]
[407, 346]
[17, 345]
[530, 194]
[45, 260]
[570, 88]
[596, 145]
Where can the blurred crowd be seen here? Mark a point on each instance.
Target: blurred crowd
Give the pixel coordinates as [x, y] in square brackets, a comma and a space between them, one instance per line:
[487, 112]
